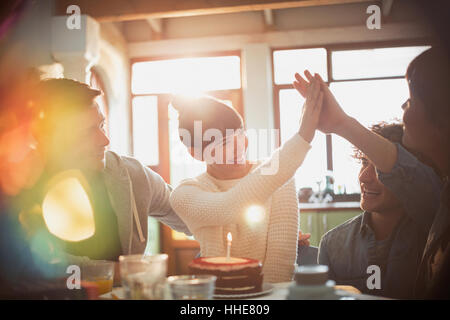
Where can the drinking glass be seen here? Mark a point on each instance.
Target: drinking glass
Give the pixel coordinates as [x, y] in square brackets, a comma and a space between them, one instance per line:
[142, 276]
[191, 287]
[101, 273]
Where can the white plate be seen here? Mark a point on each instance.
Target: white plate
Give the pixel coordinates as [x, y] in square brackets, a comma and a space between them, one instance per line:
[266, 288]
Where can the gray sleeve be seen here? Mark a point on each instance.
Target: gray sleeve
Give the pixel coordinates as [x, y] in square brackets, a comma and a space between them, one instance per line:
[416, 185]
[160, 207]
[323, 258]
[150, 188]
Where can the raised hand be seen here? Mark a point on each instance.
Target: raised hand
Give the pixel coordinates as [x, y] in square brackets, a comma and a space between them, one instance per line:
[332, 118]
[311, 111]
[303, 239]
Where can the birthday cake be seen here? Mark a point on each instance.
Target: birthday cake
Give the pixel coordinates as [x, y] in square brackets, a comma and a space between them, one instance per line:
[234, 275]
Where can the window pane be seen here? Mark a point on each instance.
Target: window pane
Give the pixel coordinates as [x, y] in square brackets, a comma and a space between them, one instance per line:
[372, 101]
[145, 130]
[182, 164]
[369, 102]
[371, 63]
[287, 62]
[345, 168]
[314, 166]
[187, 75]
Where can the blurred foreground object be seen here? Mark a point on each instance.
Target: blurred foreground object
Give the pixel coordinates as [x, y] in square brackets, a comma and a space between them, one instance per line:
[311, 283]
[10, 13]
[21, 161]
[67, 210]
[29, 267]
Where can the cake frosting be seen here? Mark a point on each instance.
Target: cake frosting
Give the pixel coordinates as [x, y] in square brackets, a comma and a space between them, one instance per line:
[234, 275]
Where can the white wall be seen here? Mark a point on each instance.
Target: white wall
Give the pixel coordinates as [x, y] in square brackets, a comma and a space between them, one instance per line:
[31, 39]
[114, 68]
[42, 41]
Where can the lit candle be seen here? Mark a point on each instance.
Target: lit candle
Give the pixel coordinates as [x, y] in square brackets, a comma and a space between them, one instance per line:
[229, 239]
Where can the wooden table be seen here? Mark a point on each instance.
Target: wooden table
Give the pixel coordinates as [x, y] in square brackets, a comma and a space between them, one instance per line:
[279, 292]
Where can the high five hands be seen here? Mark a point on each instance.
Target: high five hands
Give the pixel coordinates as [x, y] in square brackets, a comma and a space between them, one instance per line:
[311, 110]
[331, 117]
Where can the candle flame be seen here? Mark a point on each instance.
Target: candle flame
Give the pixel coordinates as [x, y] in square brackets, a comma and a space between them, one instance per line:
[229, 237]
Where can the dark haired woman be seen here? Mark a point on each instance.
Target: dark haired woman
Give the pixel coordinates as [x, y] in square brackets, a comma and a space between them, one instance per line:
[221, 200]
[423, 191]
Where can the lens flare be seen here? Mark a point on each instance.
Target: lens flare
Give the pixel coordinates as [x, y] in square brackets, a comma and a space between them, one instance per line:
[67, 210]
[255, 214]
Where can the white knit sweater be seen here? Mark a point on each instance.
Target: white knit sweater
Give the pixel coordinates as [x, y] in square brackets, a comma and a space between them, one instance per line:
[211, 208]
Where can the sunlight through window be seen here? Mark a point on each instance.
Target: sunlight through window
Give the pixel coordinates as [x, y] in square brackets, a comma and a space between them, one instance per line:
[145, 130]
[373, 63]
[187, 75]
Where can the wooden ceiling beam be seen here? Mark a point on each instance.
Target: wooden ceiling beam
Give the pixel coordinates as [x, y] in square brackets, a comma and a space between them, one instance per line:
[123, 10]
[268, 17]
[155, 24]
[386, 7]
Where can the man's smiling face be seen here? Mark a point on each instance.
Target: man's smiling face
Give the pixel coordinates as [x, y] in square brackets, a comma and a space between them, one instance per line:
[80, 141]
[375, 197]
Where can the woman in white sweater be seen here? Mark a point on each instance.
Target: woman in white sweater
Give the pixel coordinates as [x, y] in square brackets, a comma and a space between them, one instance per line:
[217, 201]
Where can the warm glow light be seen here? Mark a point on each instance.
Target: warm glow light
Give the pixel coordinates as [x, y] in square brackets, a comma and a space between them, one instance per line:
[67, 210]
[189, 76]
[229, 238]
[255, 214]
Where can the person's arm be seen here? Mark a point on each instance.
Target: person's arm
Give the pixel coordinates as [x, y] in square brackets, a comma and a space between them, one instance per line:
[323, 258]
[333, 119]
[416, 185]
[160, 207]
[282, 235]
[201, 208]
[382, 152]
[413, 182]
[149, 190]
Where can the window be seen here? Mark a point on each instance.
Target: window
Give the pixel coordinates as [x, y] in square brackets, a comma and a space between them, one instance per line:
[145, 129]
[182, 165]
[290, 108]
[156, 142]
[373, 63]
[187, 75]
[368, 83]
[155, 139]
[102, 100]
[287, 60]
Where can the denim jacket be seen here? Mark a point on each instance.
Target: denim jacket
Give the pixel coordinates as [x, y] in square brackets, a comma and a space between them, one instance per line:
[425, 197]
[349, 248]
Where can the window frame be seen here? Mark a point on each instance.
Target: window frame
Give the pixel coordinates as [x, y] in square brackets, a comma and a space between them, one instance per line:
[329, 49]
[163, 167]
[168, 244]
[96, 82]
